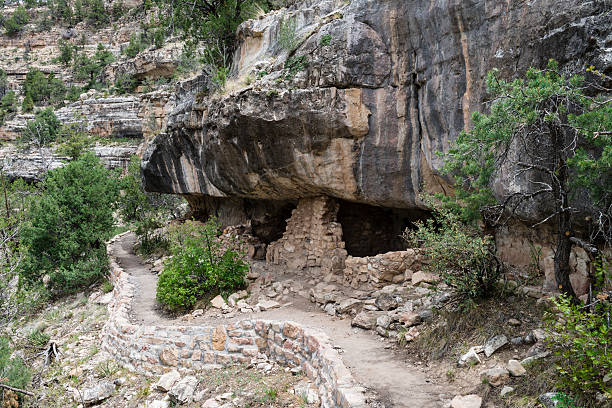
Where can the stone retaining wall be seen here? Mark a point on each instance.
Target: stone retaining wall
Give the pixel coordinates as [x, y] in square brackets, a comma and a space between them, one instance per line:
[374, 272]
[158, 349]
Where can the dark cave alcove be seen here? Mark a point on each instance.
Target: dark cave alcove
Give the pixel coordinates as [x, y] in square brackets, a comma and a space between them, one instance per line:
[370, 230]
[268, 218]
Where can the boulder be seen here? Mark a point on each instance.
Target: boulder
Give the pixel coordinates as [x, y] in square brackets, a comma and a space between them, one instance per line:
[218, 302]
[469, 358]
[167, 380]
[466, 401]
[505, 391]
[516, 369]
[366, 319]
[211, 403]
[182, 391]
[423, 277]
[97, 393]
[268, 305]
[494, 344]
[385, 301]
[384, 321]
[495, 376]
[409, 319]
[347, 305]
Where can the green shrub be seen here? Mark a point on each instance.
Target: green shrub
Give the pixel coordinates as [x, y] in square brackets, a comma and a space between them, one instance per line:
[74, 138]
[458, 253]
[14, 24]
[43, 89]
[38, 338]
[200, 266]
[97, 15]
[90, 69]
[3, 82]
[66, 52]
[16, 373]
[79, 11]
[107, 287]
[159, 36]
[124, 84]
[69, 225]
[118, 10]
[287, 37]
[582, 337]
[8, 106]
[43, 129]
[146, 211]
[326, 40]
[294, 65]
[28, 104]
[138, 43]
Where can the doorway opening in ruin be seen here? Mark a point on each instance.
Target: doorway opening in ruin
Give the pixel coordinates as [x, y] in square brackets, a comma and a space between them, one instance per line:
[269, 220]
[370, 230]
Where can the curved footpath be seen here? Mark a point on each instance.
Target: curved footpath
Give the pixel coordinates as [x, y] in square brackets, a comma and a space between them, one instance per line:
[147, 342]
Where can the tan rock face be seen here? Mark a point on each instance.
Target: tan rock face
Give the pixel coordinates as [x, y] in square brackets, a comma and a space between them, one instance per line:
[169, 356]
[376, 99]
[218, 338]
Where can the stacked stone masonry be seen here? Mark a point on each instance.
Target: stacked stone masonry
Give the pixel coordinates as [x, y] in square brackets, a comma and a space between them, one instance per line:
[312, 241]
[374, 272]
[155, 350]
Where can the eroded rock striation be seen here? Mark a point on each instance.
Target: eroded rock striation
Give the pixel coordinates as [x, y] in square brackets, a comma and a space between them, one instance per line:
[381, 87]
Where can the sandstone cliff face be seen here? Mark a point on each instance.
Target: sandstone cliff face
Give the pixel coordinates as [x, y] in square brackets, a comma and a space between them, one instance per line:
[387, 84]
[31, 164]
[357, 111]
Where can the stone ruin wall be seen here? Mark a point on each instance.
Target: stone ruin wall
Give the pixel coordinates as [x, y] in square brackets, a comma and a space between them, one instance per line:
[313, 244]
[155, 350]
[375, 272]
[312, 241]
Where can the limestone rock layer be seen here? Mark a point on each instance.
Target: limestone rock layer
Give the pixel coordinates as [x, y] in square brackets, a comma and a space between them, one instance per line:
[373, 90]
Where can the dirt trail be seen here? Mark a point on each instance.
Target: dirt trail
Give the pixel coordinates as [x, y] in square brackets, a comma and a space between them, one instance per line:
[375, 367]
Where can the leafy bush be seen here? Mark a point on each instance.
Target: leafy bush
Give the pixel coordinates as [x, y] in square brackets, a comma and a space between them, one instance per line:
[3, 82]
[124, 83]
[200, 266]
[458, 253]
[74, 138]
[14, 24]
[66, 52]
[287, 37]
[97, 15]
[16, 373]
[294, 65]
[43, 129]
[326, 40]
[118, 10]
[43, 89]
[582, 336]
[38, 338]
[8, 106]
[146, 211]
[138, 43]
[69, 225]
[28, 104]
[159, 36]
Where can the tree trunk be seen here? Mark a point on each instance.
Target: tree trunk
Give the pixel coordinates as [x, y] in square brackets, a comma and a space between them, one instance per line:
[562, 255]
